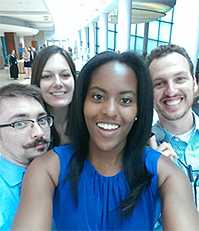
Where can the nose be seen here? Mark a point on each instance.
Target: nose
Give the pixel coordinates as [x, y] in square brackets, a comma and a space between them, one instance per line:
[170, 89]
[110, 108]
[58, 80]
[37, 131]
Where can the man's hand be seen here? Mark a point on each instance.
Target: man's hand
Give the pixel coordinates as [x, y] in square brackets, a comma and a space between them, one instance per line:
[164, 148]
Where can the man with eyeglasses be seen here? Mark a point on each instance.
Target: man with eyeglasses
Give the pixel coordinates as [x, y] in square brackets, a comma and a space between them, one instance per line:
[174, 87]
[24, 135]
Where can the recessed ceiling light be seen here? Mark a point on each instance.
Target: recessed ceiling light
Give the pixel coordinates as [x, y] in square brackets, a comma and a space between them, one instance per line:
[46, 18]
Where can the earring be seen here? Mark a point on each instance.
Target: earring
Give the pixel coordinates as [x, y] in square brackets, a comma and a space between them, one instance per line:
[135, 118]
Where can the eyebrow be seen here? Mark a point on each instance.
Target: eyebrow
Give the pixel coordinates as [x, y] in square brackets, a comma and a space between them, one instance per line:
[24, 115]
[63, 70]
[181, 73]
[165, 77]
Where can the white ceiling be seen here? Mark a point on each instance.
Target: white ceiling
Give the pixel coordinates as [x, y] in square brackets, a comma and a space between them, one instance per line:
[24, 17]
[27, 17]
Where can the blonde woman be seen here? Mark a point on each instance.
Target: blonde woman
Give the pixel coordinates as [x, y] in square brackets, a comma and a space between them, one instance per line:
[27, 62]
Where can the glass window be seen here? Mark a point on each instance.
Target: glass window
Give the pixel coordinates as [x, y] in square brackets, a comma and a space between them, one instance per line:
[140, 29]
[111, 26]
[139, 45]
[133, 28]
[87, 37]
[97, 38]
[80, 37]
[132, 43]
[159, 33]
[112, 36]
[116, 28]
[151, 44]
[111, 39]
[115, 40]
[153, 30]
[164, 31]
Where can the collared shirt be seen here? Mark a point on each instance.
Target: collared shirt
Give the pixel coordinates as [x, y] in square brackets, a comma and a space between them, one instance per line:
[11, 176]
[188, 152]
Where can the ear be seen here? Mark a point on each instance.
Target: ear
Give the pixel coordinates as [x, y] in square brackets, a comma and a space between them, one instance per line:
[195, 86]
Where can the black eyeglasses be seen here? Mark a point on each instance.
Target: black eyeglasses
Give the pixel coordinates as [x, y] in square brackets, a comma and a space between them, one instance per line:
[44, 122]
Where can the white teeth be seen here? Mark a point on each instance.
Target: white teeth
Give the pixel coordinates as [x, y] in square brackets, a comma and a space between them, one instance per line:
[58, 93]
[107, 126]
[173, 102]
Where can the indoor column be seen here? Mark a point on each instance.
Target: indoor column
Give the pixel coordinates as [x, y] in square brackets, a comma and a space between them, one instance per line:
[124, 25]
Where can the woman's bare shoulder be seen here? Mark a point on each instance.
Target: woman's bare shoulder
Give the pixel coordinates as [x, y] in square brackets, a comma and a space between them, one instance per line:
[46, 164]
[35, 210]
[167, 169]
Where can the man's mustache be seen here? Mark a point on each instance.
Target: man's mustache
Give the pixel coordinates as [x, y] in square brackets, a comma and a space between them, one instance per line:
[36, 142]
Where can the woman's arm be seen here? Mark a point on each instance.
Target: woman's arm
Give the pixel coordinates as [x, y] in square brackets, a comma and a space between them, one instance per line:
[35, 210]
[179, 211]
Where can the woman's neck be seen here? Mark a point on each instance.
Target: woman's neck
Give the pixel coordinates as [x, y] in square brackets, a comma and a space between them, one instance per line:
[60, 122]
[60, 114]
[108, 163]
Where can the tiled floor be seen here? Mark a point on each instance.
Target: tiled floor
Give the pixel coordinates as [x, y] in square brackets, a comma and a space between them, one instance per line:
[5, 78]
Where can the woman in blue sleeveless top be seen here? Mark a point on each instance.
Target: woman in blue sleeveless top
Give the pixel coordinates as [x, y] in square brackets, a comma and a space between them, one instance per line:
[107, 179]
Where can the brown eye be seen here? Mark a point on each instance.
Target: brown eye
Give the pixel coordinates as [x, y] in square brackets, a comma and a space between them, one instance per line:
[126, 101]
[97, 97]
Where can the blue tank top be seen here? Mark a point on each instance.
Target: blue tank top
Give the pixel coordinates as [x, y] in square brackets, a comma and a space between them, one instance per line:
[99, 198]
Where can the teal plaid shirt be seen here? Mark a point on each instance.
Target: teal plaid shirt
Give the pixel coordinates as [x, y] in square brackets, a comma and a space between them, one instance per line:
[188, 152]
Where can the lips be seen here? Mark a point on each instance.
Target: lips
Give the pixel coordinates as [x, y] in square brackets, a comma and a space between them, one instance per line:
[41, 147]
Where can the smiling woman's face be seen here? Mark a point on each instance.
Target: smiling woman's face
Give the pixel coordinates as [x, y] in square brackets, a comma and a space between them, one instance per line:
[111, 106]
[57, 82]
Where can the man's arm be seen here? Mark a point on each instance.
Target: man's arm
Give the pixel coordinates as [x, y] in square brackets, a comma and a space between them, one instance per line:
[35, 209]
[179, 211]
